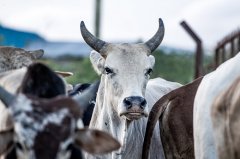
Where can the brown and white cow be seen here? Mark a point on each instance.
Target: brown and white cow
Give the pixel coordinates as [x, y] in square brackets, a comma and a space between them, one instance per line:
[14, 58]
[11, 80]
[226, 121]
[174, 111]
[125, 93]
[49, 127]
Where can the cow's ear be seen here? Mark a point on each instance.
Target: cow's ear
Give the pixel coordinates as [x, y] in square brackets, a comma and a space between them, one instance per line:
[37, 54]
[6, 141]
[95, 141]
[97, 61]
[151, 60]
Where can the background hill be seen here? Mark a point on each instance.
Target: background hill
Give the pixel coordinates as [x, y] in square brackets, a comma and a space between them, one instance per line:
[17, 38]
[33, 41]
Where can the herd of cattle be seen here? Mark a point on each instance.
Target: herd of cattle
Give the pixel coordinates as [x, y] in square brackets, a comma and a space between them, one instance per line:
[125, 115]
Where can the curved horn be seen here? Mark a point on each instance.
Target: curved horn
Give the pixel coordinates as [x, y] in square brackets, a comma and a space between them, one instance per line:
[6, 97]
[90, 39]
[155, 41]
[87, 95]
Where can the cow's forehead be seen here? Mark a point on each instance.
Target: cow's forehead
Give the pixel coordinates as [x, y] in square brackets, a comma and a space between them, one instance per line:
[127, 54]
[127, 49]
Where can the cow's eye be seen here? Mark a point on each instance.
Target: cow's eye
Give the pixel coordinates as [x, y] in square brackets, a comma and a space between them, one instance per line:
[149, 71]
[108, 70]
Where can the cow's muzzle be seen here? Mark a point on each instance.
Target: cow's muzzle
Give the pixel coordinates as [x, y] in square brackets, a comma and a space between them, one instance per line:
[132, 101]
[135, 107]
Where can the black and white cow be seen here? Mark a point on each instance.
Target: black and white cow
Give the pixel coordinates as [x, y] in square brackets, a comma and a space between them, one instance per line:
[79, 89]
[46, 124]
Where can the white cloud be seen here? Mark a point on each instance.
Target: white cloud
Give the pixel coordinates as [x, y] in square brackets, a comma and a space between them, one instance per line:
[125, 19]
[55, 20]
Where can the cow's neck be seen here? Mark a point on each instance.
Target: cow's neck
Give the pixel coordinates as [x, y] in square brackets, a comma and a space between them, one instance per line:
[129, 133]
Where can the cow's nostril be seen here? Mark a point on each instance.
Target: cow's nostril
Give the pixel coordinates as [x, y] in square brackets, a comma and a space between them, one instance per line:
[127, 102]
[143, 103]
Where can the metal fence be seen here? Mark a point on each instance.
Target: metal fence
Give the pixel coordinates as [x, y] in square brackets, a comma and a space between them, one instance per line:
[227, 48]
[199, 50]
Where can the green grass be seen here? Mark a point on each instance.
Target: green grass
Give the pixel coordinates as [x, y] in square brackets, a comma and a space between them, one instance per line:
[82, 69]
[173, 67]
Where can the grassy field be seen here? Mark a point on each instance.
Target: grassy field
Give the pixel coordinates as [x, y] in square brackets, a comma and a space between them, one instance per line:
[173, 67]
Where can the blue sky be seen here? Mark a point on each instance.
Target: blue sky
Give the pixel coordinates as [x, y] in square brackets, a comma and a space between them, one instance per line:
[125, 20]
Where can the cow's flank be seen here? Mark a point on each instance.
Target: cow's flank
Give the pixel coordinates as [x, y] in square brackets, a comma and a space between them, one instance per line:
[225, 117]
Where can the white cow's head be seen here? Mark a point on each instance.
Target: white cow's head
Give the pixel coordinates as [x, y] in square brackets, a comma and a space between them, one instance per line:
[126, 69]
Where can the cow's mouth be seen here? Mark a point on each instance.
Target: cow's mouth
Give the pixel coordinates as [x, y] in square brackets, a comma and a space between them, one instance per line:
[134, 115]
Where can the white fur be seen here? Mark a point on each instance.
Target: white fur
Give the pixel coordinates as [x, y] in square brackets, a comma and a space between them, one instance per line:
[211, 85]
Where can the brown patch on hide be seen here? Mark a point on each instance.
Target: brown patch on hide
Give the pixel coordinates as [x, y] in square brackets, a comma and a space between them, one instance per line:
[49, 140]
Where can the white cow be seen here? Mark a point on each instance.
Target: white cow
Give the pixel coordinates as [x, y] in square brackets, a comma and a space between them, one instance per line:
[211, 86]
[125, 96]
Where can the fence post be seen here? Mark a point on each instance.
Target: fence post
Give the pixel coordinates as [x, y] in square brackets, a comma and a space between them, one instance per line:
[199, 51]
[232, 48]
[223, 54]
[217, 52]
[239, 43]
